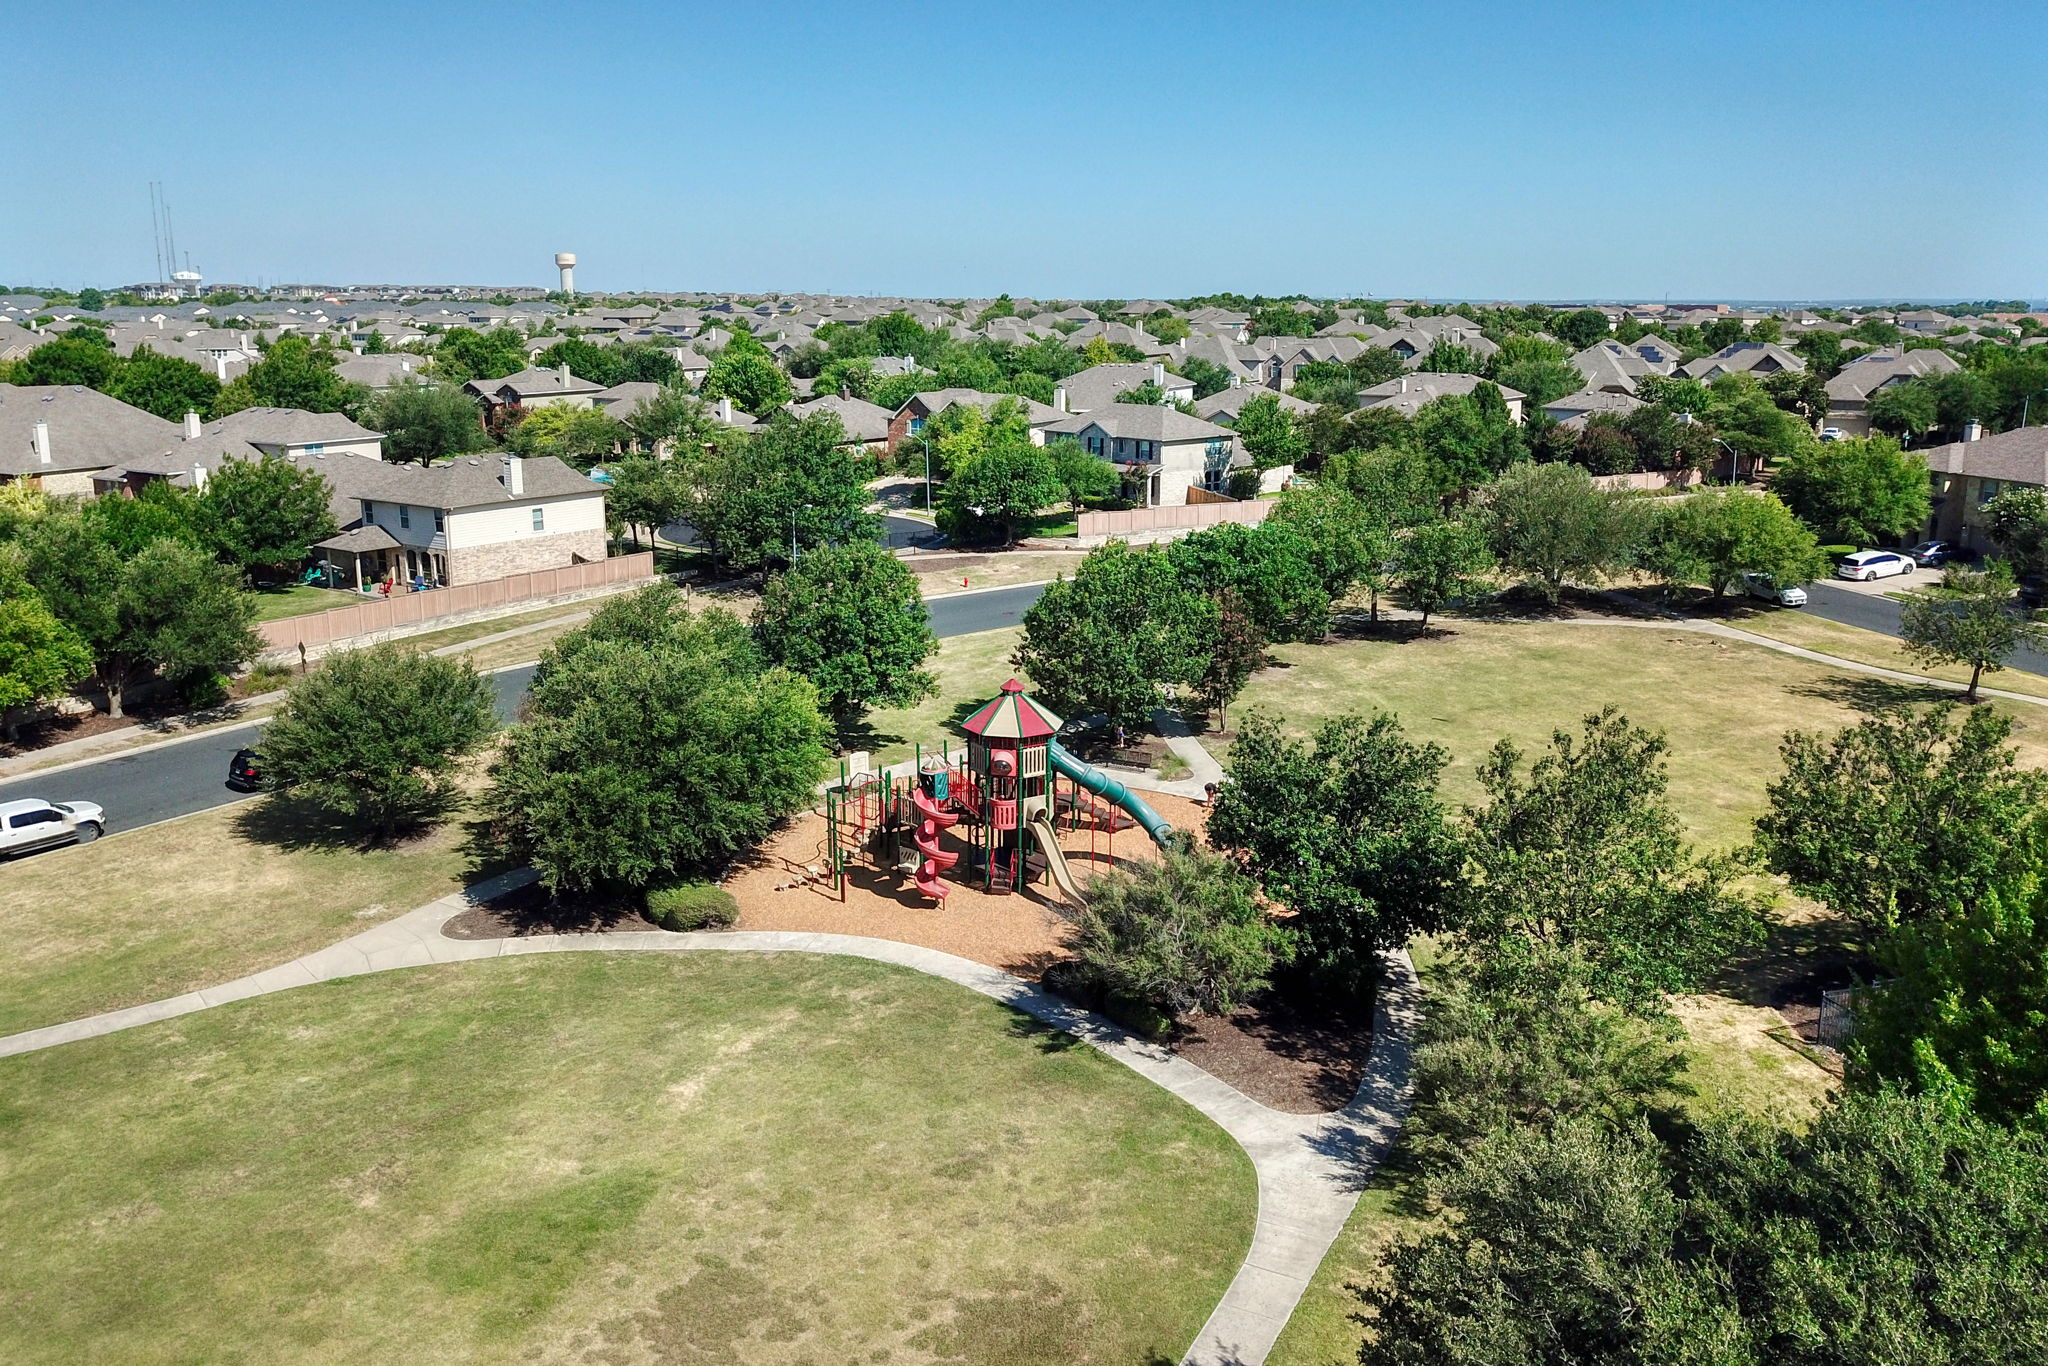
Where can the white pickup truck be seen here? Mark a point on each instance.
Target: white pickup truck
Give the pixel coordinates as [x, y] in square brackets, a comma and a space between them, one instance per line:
[29, 824]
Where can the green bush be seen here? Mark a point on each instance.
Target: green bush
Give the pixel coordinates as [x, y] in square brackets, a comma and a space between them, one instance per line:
[1182, 936]
[684, 906]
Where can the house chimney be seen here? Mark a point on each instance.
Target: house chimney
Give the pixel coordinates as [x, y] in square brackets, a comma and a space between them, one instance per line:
[845, 390]
[515, 476]
[725, 411]
[198, 476]
[39, 441]
[191, 426]
[1404, 384]
[1159, 373]
[1973, 430]
[1059, 397]
[564, 372]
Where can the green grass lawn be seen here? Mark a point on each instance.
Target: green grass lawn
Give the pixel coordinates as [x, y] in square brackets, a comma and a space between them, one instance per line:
[296, 601]
[1871, 647]
[189, 903]
[1723, 705]
[700, 1158]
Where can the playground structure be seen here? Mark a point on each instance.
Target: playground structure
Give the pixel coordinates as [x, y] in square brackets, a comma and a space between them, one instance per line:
[1007, 794]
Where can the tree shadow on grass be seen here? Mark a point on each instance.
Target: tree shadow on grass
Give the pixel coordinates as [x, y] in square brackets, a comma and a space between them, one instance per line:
[1386, 631]
[1047, 1038]
[1870, 695]
[293, 822]
[1795, 961]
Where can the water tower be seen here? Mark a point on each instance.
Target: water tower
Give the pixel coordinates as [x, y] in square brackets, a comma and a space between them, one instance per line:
[186, 282]
[565, 261]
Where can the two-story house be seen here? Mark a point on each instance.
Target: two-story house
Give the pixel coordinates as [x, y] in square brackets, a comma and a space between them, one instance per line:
[1161, 452]
[532, 388]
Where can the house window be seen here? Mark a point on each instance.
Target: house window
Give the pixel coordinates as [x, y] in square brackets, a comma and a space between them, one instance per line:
[440, 520]
[369, 513]
[1217, 447]
[404, 516]
[1987, 489]
[317, 448]
[540, 519]
[1095, 445]
[916, 425]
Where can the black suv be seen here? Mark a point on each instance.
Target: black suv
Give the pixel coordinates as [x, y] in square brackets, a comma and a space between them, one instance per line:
[243, 773]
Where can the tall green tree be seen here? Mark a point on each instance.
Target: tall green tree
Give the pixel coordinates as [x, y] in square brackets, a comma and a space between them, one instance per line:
[1439, 563]
[376, 735]
[1470, 440]
[425, 421]
[1552, 526]
[80, 356]
[1717, 537]
[40, 657]
[645, 492]
[851, 619]
[580, 436]
[463, 354]
[1109, 640]
[993, 491]
[657, 745]
[1271, 568]
[787, 486]
[292, 374]
[1580, 329]
[1971, 621]
[1862, 491]
[1270, 434]
[750, 379]
[1959, 1014]
[264, 514]
[1902, 818]
[1347, 829]
[1580, 853]
[163, 385]
[2019, 524]
[1083, 477]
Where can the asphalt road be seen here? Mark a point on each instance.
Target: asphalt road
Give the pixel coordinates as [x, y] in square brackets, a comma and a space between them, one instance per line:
[158, 783]
[1875, 612]
[163, 781]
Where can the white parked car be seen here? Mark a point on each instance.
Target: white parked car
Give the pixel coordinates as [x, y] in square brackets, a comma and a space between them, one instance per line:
[1765, 587]
[1866, 565]
[28, 824]
[1831, 433]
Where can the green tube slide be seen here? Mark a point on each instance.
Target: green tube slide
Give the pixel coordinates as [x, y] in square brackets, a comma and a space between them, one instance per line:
[1100, 784]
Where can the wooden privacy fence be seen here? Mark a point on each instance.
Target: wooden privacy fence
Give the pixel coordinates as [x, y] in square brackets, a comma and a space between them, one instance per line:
[1138, 520]
[384, 614]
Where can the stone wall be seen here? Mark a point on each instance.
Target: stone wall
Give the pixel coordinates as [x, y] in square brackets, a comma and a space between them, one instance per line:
[473, 564]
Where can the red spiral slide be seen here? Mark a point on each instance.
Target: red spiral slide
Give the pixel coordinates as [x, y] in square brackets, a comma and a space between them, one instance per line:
[926, 838]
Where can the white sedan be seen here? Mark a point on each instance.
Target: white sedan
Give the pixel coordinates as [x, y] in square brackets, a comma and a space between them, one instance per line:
[1765, 587]
[29, 824]
[1866, 565]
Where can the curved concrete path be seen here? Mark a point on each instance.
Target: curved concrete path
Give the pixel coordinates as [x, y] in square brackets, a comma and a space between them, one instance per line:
[1310, 1167]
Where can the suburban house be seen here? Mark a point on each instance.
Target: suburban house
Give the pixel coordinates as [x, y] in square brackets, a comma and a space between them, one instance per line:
[1618, 366]
[58, 436]
[379, 371]
[476, 517]
[1968, 474]
[1743, 358]
[1406, 394]
[532, 388]
[1099, 385]
[908, 421]
[1573, 409]
[1224, 405]
[294, 431]
[866, 424]
[1161, 452]
[1850, 390]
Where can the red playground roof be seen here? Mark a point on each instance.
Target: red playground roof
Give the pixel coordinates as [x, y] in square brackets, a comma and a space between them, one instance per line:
[1012, 716]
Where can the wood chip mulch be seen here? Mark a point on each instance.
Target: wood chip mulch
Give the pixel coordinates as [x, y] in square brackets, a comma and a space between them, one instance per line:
[530, 911]
[1298, 1060]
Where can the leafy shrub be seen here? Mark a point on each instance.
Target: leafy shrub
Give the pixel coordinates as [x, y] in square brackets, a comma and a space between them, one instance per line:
[684, 906]
[1186, 934]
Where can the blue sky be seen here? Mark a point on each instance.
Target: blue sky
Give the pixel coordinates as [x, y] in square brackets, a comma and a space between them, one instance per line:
[1560, 150]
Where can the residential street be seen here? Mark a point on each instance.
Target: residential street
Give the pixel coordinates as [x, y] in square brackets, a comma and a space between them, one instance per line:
[155, 784]
[1876, 612]
[174, 780]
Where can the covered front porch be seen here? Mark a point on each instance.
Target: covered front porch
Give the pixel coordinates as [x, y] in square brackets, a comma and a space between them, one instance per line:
[370, 560]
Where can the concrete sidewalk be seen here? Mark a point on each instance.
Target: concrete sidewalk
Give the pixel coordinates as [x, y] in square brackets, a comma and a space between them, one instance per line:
[1310, 1168]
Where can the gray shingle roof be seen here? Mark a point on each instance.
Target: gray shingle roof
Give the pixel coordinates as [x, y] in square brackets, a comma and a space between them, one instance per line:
[87, 429]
